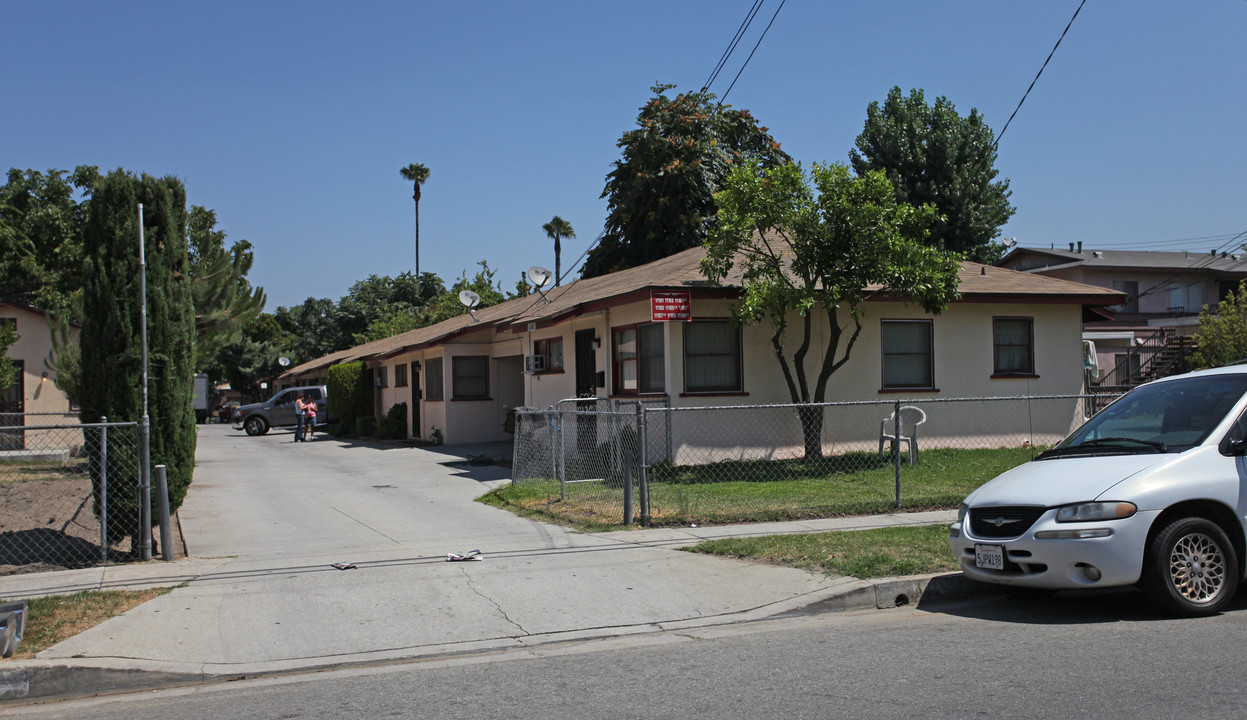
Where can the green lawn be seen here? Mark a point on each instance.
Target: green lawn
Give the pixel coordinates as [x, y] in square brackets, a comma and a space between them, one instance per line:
[865, 554]
[759, 491]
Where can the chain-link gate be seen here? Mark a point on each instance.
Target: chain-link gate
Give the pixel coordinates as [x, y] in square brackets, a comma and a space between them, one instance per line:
[751, 463]
[61, 486]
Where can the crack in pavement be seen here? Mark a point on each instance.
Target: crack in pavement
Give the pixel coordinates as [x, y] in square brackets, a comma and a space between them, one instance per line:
[503, 613]
[361, 522]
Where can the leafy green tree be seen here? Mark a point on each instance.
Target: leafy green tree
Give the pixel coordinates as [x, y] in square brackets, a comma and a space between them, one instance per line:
[556, 230]
[660, 195]
[41, 238]
[223, 298]
[379, 299]
[1222, 333]
[110, 336]
[252, 359]
[65, 358]
[8, 371]
[934, 155]
[312, 328]
[447, 304]
[820, 247]
[416, 174]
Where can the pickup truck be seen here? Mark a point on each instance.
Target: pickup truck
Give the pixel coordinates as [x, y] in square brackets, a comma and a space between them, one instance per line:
[278, 411]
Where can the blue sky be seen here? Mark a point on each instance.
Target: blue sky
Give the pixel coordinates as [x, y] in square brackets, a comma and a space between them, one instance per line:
[291, 120]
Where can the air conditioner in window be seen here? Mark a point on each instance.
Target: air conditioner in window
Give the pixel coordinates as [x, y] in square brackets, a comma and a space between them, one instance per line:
[379, 382]
[534, 363]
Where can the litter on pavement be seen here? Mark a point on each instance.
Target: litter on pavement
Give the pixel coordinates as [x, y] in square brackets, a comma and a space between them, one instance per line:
[469, 555]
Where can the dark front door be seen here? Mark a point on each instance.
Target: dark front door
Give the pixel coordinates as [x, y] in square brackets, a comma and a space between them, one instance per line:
[586, 387]
[416, 395]
[12, 405]
[586, 365]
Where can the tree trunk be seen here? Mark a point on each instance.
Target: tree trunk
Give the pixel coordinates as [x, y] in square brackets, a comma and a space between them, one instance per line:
[812, 430]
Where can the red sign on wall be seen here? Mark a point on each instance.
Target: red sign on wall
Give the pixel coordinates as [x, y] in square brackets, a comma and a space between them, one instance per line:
[669, 305]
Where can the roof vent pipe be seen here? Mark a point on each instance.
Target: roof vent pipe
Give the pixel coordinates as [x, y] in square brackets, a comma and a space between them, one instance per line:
[1080, 247]
[1214, 252]
[1071, 247]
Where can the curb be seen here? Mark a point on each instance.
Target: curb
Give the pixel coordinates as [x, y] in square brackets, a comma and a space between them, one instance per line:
[44, 681]
[60, 681]
[887, 593]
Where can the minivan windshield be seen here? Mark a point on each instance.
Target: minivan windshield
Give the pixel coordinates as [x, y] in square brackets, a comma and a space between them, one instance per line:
[1162, 417]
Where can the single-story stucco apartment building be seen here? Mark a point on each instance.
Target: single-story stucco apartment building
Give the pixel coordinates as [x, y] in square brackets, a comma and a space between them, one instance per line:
[661, 331]
[34, 399]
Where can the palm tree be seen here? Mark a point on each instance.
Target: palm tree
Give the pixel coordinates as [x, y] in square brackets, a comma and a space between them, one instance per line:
[417, 174]
[557, 229]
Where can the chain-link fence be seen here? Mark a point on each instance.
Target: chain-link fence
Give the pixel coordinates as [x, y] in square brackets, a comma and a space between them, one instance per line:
[754, 463]
[56, 483]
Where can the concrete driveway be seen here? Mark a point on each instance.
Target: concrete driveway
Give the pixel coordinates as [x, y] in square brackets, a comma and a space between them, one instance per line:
[271, 517]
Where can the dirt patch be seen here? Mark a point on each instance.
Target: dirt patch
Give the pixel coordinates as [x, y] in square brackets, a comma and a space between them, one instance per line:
[47, 522]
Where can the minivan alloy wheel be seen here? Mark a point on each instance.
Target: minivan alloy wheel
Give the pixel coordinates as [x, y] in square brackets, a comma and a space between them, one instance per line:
[1197, 567]
[1190, 568]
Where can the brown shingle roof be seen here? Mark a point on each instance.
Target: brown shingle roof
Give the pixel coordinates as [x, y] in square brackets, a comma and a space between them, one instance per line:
[978, 283]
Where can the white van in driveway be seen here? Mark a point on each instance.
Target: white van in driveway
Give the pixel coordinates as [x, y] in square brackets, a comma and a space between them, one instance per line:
[1149, 491]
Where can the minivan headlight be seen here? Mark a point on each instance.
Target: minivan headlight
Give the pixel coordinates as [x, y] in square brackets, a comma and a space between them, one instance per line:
[1091, 512]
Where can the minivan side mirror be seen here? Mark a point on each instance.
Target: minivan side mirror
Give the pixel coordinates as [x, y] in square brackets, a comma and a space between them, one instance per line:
[1234, 444]
[1233, 447]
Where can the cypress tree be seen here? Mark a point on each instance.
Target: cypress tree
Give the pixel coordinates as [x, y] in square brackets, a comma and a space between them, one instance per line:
[110, 337]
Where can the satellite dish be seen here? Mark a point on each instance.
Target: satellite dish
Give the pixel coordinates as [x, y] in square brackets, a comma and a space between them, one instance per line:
[283, 361]
[470, 300]
[539, 276]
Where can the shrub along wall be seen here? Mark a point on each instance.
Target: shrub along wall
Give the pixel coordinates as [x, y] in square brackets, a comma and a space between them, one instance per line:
[350, 392]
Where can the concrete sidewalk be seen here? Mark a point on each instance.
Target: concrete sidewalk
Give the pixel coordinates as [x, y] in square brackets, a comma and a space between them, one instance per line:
[249, 607]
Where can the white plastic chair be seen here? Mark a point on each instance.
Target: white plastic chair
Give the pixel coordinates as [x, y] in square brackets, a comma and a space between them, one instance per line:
[911, 418]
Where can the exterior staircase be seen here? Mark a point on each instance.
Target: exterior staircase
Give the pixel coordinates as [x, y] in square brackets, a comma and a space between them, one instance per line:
[1166, 353]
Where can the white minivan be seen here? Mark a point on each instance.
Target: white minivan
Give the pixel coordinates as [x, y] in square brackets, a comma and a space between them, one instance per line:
[1151, 491]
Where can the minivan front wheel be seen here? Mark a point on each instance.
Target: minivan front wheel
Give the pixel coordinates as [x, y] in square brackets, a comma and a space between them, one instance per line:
[1190, 568]
[255, 425]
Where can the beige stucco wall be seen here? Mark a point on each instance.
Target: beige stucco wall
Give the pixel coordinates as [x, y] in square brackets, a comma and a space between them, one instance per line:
[34, 342]
[963, 361]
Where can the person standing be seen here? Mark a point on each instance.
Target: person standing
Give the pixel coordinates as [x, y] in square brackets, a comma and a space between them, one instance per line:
[300, 416]
[309, 419]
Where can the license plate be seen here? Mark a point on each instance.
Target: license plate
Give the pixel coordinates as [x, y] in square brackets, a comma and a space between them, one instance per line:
[989, 557]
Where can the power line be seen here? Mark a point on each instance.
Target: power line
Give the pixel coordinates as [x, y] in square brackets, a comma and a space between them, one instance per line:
[731, 46]
[1204, 262]
[1041, 69]
[755, 49]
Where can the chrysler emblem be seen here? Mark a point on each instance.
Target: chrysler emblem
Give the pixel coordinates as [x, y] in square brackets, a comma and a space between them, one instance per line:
[1000, 521]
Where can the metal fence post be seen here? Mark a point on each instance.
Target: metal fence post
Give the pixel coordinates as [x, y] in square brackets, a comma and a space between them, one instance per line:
[104, 490]
[641, 463]
[562, 457]
[627, 472]
[896, 448]
[162, 497]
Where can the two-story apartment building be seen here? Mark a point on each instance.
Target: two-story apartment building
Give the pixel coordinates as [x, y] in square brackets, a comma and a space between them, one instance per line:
[1165, 292]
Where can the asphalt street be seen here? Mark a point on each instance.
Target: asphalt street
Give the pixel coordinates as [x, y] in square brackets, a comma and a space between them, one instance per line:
[1096, 656]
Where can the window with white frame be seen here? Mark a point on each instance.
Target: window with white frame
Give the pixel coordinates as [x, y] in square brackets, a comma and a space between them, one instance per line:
[470, 377]
[712, 357]
[1013, 341]
[638, 359]
[908, 360]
